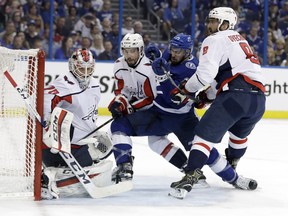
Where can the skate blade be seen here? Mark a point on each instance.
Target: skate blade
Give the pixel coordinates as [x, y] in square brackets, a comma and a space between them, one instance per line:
[178, 193]
[201, 184]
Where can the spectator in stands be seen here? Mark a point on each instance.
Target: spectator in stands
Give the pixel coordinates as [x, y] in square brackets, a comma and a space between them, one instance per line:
[115, 17]
[61, 29]
[34, 14]
[86, 42]
[9, 29]
[76, 36]
[146, 39]
[22, 35]
[127, 26]
[284, 63]
[72, 18]
[273, 25]
[84, 24]
[283, 12]
[158, 6]
[46, 40]
[18, 21]
[172, 19]
[138, 27]
[106, 27]
[271, 56]
[113, 36]
[7, 40]
[95, 30]
[280, 54]
[97, 45]
[31, 34]
[66, 49]
[254, 39]
[45, 12]
[106, 11]
[37, 43]
[107, 54]
[18, 43]
[97, 5]
[86, 8]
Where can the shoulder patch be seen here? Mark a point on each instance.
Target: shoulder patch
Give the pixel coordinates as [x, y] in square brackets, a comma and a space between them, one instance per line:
[205, 50]
[190, 65]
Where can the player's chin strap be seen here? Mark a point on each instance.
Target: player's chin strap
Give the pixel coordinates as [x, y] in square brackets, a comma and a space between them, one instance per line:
[91, 188]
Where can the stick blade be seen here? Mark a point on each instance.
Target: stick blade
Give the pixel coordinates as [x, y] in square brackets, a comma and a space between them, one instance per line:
[111, 190]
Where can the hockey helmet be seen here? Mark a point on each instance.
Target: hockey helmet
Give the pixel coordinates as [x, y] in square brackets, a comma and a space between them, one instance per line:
[182, 41]
[81, 65]
[224, 13]
[133, 41]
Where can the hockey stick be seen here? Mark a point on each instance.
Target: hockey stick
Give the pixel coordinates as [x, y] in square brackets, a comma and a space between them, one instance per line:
[99, 127]
[167, 73]
[84, 179]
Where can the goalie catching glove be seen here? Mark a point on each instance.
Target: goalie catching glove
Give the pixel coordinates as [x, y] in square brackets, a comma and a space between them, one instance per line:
[57, 136]
[120, 106]
[100, 145]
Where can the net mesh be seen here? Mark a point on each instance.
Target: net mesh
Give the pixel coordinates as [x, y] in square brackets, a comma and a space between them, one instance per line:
[17, 127]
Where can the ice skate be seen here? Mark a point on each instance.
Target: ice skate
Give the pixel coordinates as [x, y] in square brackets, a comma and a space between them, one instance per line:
[123, 172]
[182, 187]
[232, 161]
[245, 183]
[49, 189]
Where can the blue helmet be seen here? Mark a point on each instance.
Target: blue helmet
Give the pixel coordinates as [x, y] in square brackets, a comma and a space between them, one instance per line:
[182, 41]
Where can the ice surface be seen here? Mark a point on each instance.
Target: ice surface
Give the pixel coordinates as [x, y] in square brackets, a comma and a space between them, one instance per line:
[265, 160]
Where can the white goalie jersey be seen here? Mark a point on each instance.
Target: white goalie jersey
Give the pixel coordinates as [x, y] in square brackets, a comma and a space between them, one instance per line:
[66, 93]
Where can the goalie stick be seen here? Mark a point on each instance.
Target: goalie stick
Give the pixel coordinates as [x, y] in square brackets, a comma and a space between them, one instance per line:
[84, 179]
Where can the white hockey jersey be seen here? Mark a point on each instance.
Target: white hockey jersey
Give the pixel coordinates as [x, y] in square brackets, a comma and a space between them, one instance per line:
[66, 93]
[222, 56]
[137, 84]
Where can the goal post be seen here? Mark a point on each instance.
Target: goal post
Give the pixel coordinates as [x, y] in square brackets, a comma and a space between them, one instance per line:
[20, 132]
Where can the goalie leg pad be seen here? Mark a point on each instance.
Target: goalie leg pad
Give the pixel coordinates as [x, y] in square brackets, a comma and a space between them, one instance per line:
[69, 185]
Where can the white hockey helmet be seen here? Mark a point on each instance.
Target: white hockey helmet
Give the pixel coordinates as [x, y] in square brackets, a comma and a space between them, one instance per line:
[224, 13]
[133, 41]
[81, 65]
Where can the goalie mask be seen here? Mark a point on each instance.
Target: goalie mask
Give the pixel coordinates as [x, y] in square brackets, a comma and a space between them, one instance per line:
[224, 14]
[130, 42]
[81, 65]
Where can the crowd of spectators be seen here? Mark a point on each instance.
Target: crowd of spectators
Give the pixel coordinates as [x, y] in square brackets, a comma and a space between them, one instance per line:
[25, 24]
[175, 16]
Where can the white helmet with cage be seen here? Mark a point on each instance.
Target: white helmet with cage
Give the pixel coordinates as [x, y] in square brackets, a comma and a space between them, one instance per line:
[81, 65]
[224, 13]
[133, 41]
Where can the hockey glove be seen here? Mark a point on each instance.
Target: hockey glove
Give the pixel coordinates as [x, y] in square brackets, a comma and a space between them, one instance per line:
[152, 52]
[203, 99]
[120, 106]
[180, 95]
[159, 65]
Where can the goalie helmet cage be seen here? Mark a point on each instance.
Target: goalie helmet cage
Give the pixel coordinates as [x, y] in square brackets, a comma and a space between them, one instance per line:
[20, 132]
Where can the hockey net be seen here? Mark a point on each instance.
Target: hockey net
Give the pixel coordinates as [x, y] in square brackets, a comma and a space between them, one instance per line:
[20, 133]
